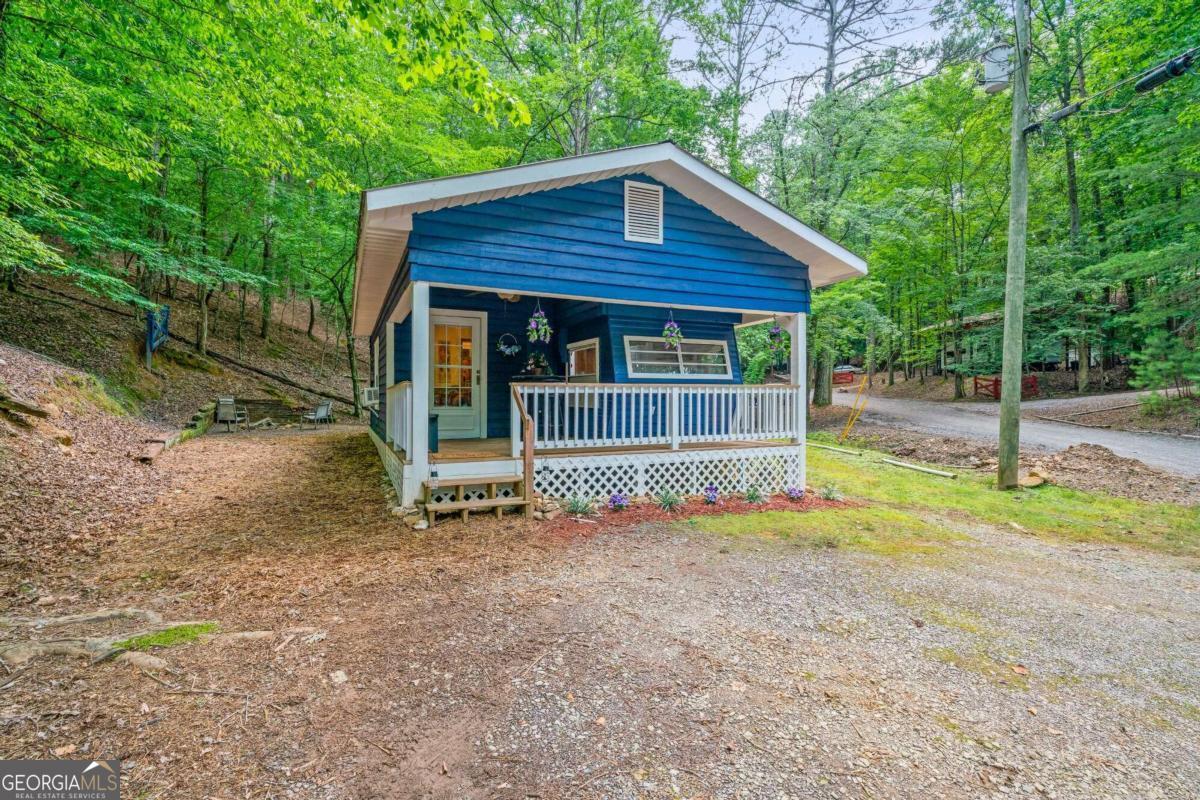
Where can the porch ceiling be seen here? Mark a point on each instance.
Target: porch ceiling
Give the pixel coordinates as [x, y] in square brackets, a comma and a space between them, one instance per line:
[385, 218]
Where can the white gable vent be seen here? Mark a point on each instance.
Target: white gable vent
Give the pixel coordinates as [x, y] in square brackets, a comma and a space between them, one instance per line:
[643, 212]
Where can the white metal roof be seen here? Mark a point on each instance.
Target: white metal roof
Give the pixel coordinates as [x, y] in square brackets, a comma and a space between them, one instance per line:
[385, 217]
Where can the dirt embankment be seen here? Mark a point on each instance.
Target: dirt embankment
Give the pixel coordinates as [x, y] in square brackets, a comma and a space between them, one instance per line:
[1087, 467]
[78, 334]
[1160, 413]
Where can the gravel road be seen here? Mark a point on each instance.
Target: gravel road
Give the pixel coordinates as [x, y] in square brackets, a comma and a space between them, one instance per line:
[982, 421]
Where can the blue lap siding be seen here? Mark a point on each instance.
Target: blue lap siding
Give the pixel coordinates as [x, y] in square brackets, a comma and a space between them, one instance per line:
[571, 242]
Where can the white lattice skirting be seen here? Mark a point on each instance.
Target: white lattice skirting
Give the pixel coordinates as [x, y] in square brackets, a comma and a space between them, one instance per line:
[392, 464]
[772, 469]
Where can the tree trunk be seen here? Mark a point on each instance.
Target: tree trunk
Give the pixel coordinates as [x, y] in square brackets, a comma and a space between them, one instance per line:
[1085, 357]
[201, 286]
[823, 380]
[264, 291]
[960, 390]
[312, 316]
[241, 335]
[871, 360]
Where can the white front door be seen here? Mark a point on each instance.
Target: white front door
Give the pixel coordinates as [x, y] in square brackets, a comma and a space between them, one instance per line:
[458, 364]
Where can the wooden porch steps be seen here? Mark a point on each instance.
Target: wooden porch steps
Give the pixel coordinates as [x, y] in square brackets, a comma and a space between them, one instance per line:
[465, 506]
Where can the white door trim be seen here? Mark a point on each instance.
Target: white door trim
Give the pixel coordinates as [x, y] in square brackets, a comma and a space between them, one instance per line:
[483, 358]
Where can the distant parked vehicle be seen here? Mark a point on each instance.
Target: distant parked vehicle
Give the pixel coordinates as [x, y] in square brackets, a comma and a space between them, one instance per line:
[844, 374]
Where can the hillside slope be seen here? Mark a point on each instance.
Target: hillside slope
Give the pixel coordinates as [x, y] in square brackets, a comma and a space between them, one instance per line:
[67, 480]
[59, 321]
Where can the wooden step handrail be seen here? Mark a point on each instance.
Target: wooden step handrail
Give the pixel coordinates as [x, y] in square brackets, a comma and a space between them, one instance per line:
[526, 449]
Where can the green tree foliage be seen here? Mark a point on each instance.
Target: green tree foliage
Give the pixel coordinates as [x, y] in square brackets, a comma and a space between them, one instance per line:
[211, 153]
[913, 175]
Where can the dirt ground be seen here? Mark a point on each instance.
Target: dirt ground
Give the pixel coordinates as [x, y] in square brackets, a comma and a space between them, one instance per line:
[502, 659]
[1178, 415]
[1087, 467]
[49, 317]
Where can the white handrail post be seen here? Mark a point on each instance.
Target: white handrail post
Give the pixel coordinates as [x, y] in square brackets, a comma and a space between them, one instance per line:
[674, 417]
[515, 425]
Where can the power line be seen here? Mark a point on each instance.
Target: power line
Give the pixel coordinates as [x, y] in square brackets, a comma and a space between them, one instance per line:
[1146, 80]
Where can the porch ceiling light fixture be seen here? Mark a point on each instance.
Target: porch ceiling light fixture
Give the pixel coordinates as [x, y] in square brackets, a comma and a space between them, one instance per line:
[509, 297]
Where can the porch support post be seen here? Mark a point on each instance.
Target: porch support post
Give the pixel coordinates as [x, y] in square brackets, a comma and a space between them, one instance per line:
[674, 415]
[797, 328]
[419, 430]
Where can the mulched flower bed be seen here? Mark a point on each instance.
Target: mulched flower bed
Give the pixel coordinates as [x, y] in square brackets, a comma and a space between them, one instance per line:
[644, 510]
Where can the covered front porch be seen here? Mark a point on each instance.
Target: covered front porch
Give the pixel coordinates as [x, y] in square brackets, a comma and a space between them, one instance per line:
[594, 422]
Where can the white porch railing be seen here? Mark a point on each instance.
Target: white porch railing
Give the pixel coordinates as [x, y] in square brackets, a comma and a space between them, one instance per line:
[399, 415]
[570, 415]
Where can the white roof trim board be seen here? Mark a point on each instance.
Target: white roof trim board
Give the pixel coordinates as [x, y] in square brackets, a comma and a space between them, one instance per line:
[385, 218]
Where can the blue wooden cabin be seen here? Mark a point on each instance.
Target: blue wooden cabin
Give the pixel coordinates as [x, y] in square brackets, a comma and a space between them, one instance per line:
[606, 250]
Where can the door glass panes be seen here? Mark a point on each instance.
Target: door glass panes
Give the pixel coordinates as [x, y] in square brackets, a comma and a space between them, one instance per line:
[453, 372]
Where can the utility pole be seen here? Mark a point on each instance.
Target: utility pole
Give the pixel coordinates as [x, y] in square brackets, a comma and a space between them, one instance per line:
[1014, 284]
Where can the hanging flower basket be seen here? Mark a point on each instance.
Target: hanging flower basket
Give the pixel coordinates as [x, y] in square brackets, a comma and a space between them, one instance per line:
[539, 329]
[672, 334]
[507, 346]
[776, 340]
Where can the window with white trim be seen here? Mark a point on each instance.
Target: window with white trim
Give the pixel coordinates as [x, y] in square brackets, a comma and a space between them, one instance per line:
[643, 212]
[583, 361]
[696, 358]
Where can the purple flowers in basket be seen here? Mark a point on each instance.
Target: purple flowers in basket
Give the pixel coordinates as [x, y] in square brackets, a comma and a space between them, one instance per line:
[794, 492]
[539, 329]
[712, 495]
[672, 335]
[775, 339]
[618, 501]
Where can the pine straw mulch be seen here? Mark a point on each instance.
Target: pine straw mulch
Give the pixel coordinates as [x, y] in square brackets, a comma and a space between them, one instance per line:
[645, 511]
[352, 653]
[66, 481]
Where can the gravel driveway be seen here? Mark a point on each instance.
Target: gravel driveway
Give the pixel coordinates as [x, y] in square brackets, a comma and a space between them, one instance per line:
[687, 667]
[506, 659]
[982, 420]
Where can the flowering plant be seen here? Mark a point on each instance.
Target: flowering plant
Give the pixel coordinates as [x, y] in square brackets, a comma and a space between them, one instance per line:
[776, 342]
[794, 492]
[539, 329]
[672, 335]
[536, 361]
[618, 501]
[711, 494]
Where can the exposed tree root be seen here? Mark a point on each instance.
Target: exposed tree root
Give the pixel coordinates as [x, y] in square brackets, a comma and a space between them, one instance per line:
[96, 648]
[102, 615]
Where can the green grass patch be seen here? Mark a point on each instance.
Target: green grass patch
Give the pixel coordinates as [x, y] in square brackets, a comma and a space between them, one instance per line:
[979, 661]
[81, 392]
[872, 529]
[1050, 511]
[171, 637]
